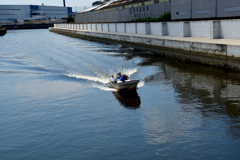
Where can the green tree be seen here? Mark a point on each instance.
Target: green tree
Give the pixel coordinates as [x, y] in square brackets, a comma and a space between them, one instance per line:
[70, 19]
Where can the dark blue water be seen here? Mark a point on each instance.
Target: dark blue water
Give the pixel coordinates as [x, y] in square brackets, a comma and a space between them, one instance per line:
[55, 103]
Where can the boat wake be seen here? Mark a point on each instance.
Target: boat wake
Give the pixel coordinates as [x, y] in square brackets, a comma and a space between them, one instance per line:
[90, 78]
[140, 84]
[103, 88]
[130, 72]
[101, 82]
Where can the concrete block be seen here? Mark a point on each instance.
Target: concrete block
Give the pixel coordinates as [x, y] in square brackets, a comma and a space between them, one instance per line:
[157, 42]
[230, 29]
[85, 27]
[200, 29]
[143, 28]
[89, 27]
[105, 27]
[177, 44]
[174, 28]
[185, 29]
[114, 37]
[99, 27]
[125, 38]
[233, 50]
[121, 27]
[156, 28]
[81, 26]
[137, 39]
[164, 29]
[94, 27]
[131, 28]
[218, 49]
[112, 27]
[215, 30]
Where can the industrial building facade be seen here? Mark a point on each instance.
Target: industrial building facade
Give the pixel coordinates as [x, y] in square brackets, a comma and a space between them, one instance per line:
[195, 9]
[124, 11]
[10, 13]
[127, 10]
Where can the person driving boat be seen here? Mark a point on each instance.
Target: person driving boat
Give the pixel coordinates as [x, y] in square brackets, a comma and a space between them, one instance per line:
[124, 77]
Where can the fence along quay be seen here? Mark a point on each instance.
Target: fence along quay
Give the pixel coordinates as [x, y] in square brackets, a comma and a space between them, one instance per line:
[215, 43]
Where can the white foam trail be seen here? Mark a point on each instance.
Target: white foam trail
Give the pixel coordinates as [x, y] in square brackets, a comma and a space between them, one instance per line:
[140, 84]
[104, 88]
[130, 72]
[91, 78]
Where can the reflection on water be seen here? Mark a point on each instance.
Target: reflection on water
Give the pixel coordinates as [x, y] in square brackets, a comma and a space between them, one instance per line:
[208, 94]
[129, 99]
[55, 103]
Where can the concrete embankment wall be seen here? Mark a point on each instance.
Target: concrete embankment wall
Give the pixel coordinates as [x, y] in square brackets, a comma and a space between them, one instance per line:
[223, 29]
[200, 38]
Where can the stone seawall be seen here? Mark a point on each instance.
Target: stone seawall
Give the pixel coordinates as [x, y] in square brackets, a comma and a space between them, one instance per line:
[218, 53]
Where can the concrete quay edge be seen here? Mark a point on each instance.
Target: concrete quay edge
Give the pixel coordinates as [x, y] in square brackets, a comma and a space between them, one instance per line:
[223, 53]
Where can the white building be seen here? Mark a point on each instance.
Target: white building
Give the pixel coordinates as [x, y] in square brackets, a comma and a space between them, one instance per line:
[10, 13]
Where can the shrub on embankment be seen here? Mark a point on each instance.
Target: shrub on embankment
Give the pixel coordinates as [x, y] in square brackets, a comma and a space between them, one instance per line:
[165, 17]
[70, 19]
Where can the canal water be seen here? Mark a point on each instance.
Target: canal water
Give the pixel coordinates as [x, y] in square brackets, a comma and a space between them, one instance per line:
[55, 103]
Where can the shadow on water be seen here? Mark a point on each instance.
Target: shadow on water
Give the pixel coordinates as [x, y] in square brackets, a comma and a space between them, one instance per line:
[130, 100]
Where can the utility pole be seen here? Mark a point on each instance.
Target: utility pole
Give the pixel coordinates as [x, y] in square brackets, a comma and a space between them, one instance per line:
[216, 8]
[191, 10]
[64, 3]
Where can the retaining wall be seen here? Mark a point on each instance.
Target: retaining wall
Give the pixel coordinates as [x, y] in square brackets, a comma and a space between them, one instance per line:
[228, 29]
[171, 35]
[220, 55]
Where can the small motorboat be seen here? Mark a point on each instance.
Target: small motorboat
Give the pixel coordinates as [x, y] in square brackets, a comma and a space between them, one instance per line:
[127, 85]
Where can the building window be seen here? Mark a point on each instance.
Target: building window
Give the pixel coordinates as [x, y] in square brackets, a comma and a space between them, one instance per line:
[147, 8]
[180, 13]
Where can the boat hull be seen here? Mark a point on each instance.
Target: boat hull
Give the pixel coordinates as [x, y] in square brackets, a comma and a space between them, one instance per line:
[124, 85]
